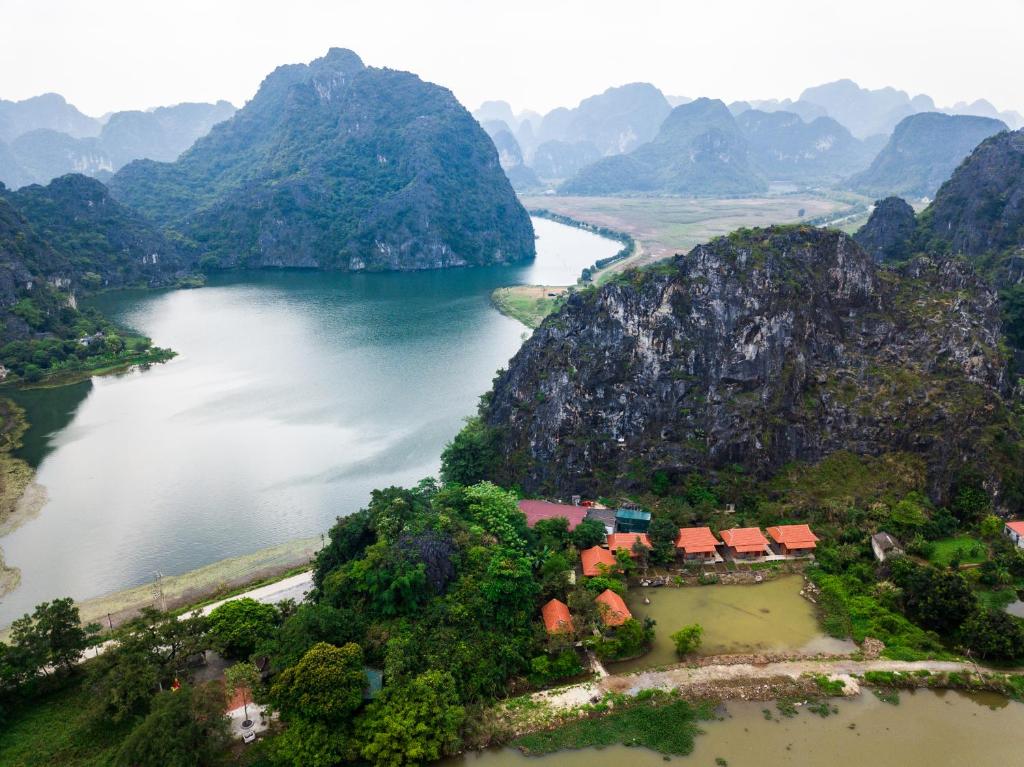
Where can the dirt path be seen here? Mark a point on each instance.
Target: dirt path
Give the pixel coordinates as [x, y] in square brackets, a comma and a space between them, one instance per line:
[724, 674]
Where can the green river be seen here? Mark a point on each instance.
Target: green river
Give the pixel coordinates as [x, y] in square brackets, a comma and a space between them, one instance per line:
[294, 394]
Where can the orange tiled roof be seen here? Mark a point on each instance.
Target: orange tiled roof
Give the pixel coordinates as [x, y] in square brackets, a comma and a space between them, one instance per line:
[745, 540]
[1017, 526]
[593, 557]
[794, 536]
[612, 609]
[557, 619]
[625, 541]
[696, 540]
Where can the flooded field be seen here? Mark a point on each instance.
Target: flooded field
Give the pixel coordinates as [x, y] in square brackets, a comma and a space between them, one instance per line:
[926, 729]
[763, 617]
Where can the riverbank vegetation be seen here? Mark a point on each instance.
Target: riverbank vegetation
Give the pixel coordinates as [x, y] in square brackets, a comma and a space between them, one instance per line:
[529, 304]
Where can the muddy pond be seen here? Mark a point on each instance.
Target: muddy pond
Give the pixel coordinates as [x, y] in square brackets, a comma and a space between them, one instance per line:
[762, 617]
[926, 728]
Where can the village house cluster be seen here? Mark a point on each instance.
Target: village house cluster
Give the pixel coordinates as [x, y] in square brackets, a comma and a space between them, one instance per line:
[626, 528]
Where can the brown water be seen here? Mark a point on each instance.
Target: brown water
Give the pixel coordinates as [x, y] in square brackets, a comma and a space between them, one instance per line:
[762, 617]
[927, 729]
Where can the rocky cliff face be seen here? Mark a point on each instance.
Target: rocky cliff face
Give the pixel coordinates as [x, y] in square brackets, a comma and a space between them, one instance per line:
[341, 166]
[757, 349]
[980, 209]
[888, 232]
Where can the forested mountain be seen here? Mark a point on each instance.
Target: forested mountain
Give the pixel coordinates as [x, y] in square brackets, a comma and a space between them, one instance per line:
[339, 165]
[699, 150]
[758, 349]
[889, 231]
[786, 148]
[922, 152]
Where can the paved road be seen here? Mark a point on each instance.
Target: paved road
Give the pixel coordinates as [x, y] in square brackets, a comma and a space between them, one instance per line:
[295, 587]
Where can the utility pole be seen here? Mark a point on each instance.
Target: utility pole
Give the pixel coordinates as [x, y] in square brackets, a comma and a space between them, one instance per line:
[158, 590]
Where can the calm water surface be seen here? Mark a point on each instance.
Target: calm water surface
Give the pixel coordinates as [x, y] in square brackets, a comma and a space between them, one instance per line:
[927, 729]
[762, 617]
[294, 394]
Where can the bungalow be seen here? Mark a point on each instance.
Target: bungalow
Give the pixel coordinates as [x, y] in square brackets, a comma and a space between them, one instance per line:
[745, 542]
[557, 619]
[535, 511]
[885, 546]
[612, 609]
[1015, 532]
[793, 540]
[595, 559]
[632, 521]
[697, 543]
[625, 541]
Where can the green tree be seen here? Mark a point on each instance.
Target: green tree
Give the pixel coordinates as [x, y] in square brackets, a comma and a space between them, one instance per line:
[310, 624]
[663, 534]
[311, 744]
[552, 534]
[991, 526]
[497, 511]
[993, 635]
[412, 724]
[185, 728]
[52, 635]
[472, 456]
[123, 682]
[325, 686]
[939, 600]
[688, 639]
[589, 533]
[624, 563]
[243, 678]
[237, 626]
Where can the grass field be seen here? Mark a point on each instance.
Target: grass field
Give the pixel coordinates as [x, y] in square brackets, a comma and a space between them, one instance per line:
[664, 226]
[529, 304]
[58, 729]
[971, 551]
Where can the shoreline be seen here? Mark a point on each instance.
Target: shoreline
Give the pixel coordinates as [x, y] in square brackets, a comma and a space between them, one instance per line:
[197, 588]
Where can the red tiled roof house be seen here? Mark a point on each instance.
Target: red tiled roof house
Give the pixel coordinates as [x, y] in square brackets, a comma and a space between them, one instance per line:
[612, 609]
[793, 540]
[557, 619]
[1015, 532]
[535, 511]
[595, 560]
[697, 543]
[625, 541]
[745, 542]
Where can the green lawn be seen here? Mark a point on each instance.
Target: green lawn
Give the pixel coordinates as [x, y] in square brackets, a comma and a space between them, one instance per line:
[529, 304]
[57, 730]
[971, 550]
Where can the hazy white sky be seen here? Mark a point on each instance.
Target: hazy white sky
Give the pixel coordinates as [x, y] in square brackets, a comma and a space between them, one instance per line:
[106, 55]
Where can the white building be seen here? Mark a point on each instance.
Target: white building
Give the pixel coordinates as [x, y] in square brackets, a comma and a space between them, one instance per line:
[885, 546]
[1015, 532]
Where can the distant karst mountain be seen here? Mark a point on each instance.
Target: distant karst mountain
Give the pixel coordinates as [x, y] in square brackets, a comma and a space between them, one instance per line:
[510, 156]
[786, 148]
[41, 154]
[865, 112]
[922, 152]
[699, 150]
[616, 121]
[338, 165]
[46, 112]
[758, 349]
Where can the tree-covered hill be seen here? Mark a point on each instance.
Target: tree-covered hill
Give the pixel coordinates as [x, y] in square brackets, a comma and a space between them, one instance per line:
[342, 166]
